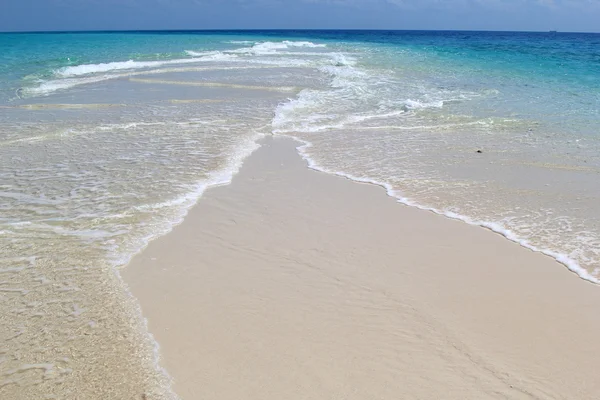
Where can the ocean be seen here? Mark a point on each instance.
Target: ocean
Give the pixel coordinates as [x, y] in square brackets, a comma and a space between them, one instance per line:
[108, 138]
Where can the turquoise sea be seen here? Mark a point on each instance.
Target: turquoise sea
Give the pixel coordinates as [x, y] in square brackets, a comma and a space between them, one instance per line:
[107, 139]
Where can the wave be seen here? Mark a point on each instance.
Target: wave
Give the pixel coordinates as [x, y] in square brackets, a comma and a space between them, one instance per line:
[212, 56]
[304, 44]
[76, 75]
[282, 44]
[88, 69]
[240, 41]
[262, 48]
[495, 227]
[320, 110]
[355, 95]
[47, 87]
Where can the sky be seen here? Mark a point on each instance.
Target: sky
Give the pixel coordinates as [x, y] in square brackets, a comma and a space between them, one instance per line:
[520, 15]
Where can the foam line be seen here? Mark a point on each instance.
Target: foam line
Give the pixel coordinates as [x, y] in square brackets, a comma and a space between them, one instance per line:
[563, 259]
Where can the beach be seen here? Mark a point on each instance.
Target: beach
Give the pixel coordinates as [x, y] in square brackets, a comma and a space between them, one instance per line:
[291, 283]
[299, 214]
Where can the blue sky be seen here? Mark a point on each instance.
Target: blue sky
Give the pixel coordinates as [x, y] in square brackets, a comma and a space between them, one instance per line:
[542, 15]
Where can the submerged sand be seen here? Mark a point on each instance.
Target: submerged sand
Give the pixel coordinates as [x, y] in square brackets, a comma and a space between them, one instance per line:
[294, 284]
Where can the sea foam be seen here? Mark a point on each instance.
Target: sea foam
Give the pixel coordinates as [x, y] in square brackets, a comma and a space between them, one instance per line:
[313, 112]
[495, 227]
[77, 75]
[88, 69]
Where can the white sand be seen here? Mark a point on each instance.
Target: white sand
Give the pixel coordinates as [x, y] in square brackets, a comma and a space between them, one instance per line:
[293, 284]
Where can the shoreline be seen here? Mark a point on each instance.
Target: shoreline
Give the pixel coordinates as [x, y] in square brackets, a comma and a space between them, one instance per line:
[150, 274]
[564, 260]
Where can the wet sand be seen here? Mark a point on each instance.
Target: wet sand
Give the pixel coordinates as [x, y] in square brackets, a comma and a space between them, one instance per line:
[294, 284]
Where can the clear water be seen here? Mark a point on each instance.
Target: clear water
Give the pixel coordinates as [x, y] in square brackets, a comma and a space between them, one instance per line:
[106, 139]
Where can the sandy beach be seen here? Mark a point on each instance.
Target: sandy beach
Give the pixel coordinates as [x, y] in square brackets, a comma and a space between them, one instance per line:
[294, 284]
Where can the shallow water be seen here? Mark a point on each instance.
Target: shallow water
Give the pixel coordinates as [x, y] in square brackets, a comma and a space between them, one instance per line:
[107, 139]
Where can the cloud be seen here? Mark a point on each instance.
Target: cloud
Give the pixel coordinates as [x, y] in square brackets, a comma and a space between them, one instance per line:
[490, 4]
[578, 15]
[408, 4]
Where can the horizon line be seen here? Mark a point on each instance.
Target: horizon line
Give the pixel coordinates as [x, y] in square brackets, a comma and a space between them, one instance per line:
[290, 30]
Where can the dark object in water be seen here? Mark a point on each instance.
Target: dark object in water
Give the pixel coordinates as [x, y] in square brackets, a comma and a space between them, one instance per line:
[479, 151]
